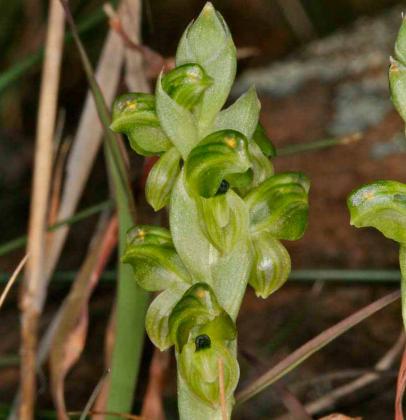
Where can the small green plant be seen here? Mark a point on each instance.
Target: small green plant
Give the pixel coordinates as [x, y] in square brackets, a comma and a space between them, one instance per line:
[382, 204]
[227, 213]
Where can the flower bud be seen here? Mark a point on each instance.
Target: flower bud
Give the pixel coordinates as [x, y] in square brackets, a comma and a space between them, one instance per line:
[271, 265]
[217, 156]
[154, 260]
[280, 206]
[186, 84]
[207, 41]
[134, 115]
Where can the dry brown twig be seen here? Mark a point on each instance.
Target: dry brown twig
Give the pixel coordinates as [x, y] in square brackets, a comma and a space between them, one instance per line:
[98, 414]
[84, 150]
[329, 400]
[34, 287]
[400, 388]
[12, 280]
[94, 395]
[154, 61]
[70, 336]
[152, 406]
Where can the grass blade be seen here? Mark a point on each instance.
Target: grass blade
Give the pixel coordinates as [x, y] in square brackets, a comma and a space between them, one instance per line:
[400, 389]
[35, 287]
[312, 346]
[298, 148]
[11, 75]
[12, 280]
[132, 301]
[81, 215]
[70, 336]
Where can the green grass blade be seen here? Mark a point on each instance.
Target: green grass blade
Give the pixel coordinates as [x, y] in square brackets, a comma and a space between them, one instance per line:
[131, 300]
[12, 74]
[81, 215]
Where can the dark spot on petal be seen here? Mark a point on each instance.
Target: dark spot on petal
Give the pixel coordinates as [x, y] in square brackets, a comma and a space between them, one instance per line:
[202, 342]
[223, 188]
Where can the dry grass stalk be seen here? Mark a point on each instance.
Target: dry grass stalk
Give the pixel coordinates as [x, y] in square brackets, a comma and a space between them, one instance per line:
[152, 406]
[96, 414]
[400, 389]
[383, 364]
[35, 287]
[86, 143]
[329, 400]
[84, 149]
[70, 335]
[94, 395]
[12, 280]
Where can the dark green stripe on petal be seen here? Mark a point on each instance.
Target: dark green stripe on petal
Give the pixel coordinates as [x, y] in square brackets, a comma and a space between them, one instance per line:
[157, 317]
[224, 219]
[154, 260]
[381, 205]
[186, 84]
[161, 179]
[271, 266]
[218, 155]
[200, 370]
[197, 309]
[280, 206]
[134, 115]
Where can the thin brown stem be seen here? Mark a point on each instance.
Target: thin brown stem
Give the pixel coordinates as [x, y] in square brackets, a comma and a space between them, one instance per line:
[94, 395]
[35, 288]
[109, 413]
[312, 346]
[12, 280]
[382, 366]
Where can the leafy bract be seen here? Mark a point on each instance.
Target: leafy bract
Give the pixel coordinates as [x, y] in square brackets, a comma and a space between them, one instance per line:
[242, 115]
[177, 122]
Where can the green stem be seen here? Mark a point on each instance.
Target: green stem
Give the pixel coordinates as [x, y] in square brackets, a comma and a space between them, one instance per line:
[81, 215]
[191, 408]
[131, 299]
[12, 74]
[318, 145]
[402, 263]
